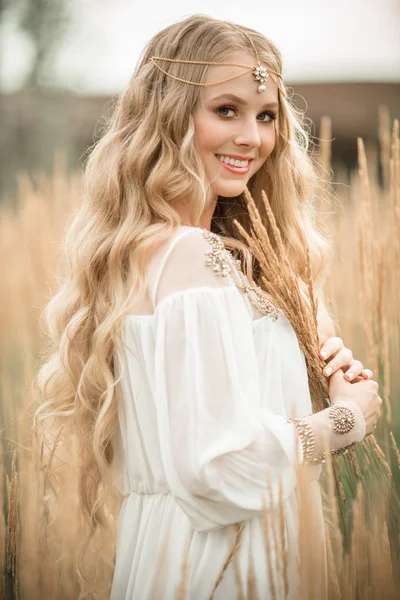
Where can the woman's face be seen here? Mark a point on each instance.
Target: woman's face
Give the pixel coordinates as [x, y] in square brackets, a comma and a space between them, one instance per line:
[234, 120]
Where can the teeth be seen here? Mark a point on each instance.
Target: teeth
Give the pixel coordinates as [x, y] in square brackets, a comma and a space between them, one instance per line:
[232, 161]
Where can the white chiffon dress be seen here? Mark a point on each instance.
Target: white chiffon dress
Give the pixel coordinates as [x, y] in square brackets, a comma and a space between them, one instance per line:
[206, 386]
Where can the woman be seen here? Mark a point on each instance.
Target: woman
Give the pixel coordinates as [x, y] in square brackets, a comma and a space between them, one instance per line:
[165, 366]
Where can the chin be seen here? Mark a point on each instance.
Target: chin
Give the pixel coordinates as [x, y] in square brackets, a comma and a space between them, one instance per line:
[232, 190]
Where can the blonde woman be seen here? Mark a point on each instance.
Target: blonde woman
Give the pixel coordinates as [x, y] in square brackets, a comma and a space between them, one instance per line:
[176, 378]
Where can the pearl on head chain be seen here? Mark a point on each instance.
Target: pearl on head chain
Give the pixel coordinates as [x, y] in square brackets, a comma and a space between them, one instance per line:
[261, 74]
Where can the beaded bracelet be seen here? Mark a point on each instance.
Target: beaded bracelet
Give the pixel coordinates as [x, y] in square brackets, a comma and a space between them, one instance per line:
[307, 439]
[343, 421]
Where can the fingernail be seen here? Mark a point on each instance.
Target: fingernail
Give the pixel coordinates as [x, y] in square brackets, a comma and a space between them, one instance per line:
[328, 371]
[350, 375]
[324, 354]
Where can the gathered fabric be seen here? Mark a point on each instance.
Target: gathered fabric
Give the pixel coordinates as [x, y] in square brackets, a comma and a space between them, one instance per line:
[204, 394]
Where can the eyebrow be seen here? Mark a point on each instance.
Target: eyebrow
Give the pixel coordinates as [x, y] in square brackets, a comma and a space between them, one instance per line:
[241, 102]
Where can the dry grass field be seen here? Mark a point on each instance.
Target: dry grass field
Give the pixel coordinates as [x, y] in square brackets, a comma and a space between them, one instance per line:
[40, 535]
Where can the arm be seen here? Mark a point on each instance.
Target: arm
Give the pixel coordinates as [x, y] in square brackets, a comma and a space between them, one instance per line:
[217, 442]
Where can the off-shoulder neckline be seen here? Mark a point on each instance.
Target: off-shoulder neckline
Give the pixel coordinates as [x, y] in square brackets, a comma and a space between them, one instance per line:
[189, 291]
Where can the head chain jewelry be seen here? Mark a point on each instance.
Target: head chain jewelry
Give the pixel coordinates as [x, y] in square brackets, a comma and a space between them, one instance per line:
[260, 73]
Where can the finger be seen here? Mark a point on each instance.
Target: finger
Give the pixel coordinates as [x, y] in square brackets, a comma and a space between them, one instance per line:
[331, 347]
[356, 368]
[357, 379]
[337, 375]
[342, 359]
[366, 373]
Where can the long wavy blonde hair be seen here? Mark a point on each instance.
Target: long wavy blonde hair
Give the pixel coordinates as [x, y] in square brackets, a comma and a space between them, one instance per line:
[146, 160]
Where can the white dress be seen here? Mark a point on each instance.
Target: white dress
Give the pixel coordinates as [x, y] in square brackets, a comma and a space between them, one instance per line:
[204, 395]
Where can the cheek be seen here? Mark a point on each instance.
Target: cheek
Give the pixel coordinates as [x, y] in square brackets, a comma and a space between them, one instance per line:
[268, 142]
[209, 133]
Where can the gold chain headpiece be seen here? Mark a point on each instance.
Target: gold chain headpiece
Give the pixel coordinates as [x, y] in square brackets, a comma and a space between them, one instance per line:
[260, 73]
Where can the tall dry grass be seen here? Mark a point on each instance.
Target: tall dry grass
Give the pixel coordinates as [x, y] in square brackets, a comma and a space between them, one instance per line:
[39, 530]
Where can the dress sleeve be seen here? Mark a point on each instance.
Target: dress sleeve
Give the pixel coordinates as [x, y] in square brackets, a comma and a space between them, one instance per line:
[216, 441]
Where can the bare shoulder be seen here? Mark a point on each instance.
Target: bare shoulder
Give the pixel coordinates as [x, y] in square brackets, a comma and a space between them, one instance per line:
[181, 241]
[189, 257]
[200, 252]
[196, 259]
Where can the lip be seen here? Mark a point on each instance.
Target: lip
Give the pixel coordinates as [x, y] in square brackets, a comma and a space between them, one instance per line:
[236, 156]
[237, 170]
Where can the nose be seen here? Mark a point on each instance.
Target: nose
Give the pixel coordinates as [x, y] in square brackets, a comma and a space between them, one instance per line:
[248, 134]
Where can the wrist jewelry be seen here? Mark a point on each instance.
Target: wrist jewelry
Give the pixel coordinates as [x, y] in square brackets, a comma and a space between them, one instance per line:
[344, 420]
[307, 438]
[342, 450]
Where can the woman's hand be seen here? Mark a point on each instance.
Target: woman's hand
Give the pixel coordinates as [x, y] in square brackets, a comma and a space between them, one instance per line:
[364, 393]
[337, 356]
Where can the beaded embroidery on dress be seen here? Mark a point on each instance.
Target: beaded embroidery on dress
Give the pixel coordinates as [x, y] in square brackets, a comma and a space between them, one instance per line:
[203, 401]
[217, 258]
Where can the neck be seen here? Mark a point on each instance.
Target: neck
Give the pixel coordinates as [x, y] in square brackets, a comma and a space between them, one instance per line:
[182, 208]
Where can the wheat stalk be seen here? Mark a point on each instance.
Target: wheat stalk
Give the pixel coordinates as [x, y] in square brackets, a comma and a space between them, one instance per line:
[239, 528]
[267, 542]
[279, 280]
[13, 524]
[395, 448]
[384, 142]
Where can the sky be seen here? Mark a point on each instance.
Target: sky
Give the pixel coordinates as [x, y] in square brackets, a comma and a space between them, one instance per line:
[320, 40]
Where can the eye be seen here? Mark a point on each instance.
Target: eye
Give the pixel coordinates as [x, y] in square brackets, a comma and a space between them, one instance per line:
[271, 116]
[225, 108]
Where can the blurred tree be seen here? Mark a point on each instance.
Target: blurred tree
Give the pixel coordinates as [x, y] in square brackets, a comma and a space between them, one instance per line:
[45, 22]
[30, 131]
[3, 5]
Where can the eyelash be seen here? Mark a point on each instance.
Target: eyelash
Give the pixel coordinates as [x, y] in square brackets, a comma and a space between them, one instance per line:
[271, 115]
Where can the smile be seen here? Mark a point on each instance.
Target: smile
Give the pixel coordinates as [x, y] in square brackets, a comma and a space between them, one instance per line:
[234, 165]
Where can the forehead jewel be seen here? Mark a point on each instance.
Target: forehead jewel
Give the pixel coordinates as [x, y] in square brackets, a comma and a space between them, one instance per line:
[260, 72]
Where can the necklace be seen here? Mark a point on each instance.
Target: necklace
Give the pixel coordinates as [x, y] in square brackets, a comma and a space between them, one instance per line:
[218, 259]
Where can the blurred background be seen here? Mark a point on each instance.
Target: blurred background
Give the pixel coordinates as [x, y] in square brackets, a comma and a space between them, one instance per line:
[61, 64]
[61, 61]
